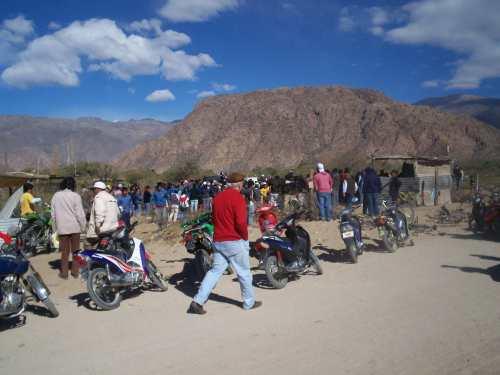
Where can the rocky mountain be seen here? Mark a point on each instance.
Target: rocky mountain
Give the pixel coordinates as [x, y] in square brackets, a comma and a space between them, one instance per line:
[30, 141]
[481, 108]
[286, 127]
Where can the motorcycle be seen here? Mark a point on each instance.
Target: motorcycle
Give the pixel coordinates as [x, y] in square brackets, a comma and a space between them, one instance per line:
[285, 252]
[197, 236]
[118, 264]
[392, 227]
[36, 233]
[17, 278]
[485, 217]
[350, 231]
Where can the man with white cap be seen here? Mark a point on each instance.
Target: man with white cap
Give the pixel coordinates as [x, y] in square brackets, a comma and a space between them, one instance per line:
[104, 213]
[323, 184]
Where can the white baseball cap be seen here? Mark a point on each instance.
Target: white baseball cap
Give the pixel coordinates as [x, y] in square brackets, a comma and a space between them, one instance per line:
[321, 167]
[100, 185]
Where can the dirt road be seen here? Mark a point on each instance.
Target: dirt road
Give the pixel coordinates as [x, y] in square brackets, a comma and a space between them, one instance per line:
[429, 309]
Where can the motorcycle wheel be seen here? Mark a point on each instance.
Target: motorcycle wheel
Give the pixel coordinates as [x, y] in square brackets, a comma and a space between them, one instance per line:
[353, 252]
[100, 290]
[156, 277]
[273, 273]
[51, 307]
[50, 244]
[409, 211]
[315, 263]
[30, 239]
[390, 242]
[203, 262]
[495, 226]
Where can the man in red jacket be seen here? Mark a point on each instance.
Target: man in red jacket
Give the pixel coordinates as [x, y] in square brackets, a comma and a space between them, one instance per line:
[323, 185]
[229, 215]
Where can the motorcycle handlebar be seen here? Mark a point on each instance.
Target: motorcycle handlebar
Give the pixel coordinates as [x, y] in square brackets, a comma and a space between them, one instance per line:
[290, 218]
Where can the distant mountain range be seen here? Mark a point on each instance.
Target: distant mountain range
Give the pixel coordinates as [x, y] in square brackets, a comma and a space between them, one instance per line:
[30, 141]
[284, 128]
[481, 108]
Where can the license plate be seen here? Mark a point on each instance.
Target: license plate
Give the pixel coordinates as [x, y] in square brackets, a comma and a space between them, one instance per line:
[348, 234]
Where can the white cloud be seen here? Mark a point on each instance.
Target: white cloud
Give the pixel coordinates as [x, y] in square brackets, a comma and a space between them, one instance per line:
[379, 16]
[145, 25]
[346, 20]
[14, 34]
[56, 59]
[469, 28]
[217, 88]
[431, 84]
[160, 96]
[223, 87]
[206, 94]
[195, 10]
[178, 65]
[19, 25]
[54, 26]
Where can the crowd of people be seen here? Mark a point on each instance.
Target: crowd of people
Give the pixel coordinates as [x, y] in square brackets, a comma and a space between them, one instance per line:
[233, 202]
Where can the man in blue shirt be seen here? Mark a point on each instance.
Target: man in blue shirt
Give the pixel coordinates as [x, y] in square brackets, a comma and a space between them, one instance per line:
[126, 205]
[160, 204]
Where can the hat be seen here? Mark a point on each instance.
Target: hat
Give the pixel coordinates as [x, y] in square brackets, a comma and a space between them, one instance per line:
[99, 185]
[321, 167]
[120, 185]
[235, 177]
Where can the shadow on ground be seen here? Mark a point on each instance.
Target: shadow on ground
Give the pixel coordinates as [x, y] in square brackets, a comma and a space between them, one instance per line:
[341, 256]
[16, 322]
[186, 282]
[20, 321]
[493, 272]
[476, 236]
[486, 257]
[83, 299]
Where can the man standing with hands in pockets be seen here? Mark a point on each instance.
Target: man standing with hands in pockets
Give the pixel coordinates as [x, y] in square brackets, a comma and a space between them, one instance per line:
[229, 215]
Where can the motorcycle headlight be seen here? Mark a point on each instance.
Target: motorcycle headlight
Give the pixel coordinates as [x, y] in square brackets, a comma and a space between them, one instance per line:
[346, 227]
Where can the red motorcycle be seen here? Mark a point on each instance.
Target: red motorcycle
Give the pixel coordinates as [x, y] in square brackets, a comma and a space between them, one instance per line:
[485, 217]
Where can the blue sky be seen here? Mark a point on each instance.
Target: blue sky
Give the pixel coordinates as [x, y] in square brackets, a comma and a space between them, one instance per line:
[121, 59]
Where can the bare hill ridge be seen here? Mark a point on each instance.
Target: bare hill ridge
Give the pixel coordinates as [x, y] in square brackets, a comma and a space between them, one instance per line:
[286, 127]
[482, 108]
[29, 141]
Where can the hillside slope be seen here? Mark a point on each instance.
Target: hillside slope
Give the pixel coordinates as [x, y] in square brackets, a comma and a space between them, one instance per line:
[481, 108]
[286, 127]
[29, 141]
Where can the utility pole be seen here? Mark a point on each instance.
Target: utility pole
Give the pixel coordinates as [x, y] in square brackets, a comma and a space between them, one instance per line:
[6, 161]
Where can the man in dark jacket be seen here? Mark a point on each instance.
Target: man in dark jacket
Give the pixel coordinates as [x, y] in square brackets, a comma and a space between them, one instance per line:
[371, 189]
[394, 186]
[349, 188]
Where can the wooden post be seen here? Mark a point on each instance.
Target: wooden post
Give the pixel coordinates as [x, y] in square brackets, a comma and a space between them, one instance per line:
[436, 192]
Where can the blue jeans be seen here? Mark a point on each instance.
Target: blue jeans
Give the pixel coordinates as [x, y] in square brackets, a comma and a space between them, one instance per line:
[126, 218]
[251, 212]
[236, 254]
[372, 201]
[325, 205]
[193, 205]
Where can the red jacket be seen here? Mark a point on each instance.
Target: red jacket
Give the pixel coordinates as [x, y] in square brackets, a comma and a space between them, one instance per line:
[229, 215]
[323, 182]
[6, 238]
